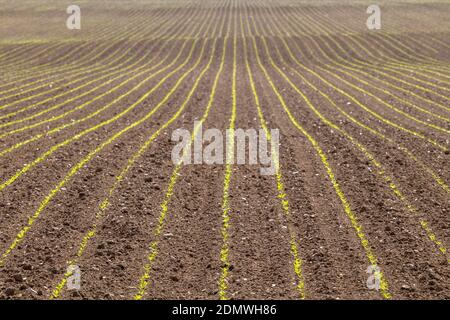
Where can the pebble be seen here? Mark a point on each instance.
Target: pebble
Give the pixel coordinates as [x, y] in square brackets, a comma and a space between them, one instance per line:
[407, 288]
[27, 267]
[10, 292]
[18, 278]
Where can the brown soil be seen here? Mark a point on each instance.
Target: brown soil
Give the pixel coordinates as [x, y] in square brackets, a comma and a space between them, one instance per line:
[357, 94]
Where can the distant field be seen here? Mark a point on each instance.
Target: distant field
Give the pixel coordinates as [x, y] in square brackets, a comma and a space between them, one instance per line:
[86, 176]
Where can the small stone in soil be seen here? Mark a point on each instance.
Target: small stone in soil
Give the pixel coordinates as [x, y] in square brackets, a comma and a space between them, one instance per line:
[18, 277]
[10, 292]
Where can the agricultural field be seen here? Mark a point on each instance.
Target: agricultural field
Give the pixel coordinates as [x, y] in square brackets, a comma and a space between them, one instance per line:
[358, 206]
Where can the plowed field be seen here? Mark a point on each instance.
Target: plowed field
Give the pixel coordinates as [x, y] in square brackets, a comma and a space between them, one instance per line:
[87, 179]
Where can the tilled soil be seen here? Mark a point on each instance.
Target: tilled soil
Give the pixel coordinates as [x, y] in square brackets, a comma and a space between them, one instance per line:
[87, 178]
